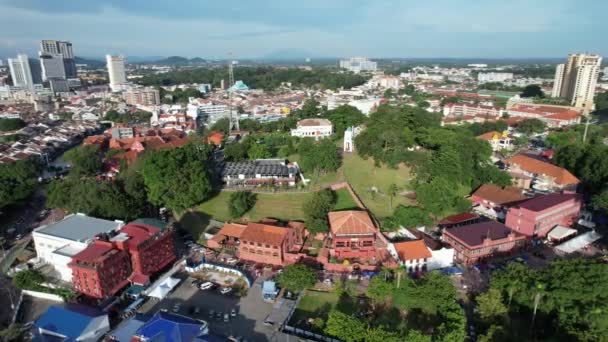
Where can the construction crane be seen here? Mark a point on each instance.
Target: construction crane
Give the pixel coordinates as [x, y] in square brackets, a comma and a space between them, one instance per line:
[234, 122]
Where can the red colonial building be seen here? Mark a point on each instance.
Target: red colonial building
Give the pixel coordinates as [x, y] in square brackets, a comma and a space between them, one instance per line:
[271, 243]
[480, 241]
[537, 216]
[100, 270]
[135, 253]
[353, 235]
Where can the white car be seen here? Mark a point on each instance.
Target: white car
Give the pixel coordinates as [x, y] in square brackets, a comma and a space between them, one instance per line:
[232, 261]
[226, 290]
[206, 285]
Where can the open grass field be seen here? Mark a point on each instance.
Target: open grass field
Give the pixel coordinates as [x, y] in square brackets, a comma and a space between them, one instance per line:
[286, 206]
[344, 200]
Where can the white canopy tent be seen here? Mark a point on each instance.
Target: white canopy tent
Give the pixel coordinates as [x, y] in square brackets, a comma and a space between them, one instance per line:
[161, 290]
[560, 232]
[578, 242]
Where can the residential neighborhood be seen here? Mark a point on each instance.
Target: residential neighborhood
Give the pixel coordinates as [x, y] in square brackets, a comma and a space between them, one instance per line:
[353, 198]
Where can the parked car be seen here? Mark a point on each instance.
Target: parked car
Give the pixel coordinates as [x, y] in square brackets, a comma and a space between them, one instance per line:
[232, 261]
[206, 285]
[218, 315]
[226, 290]
[176, 307]
[233, 312]
[226, 317]
[211, 313]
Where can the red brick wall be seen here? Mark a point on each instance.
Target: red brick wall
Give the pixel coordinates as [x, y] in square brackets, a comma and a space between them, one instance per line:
[104, 279]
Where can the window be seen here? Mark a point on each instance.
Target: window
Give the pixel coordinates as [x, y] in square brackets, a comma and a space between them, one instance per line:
[267, 246]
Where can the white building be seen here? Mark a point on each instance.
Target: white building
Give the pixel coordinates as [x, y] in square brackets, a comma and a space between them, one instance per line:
[392, 82]
[313, 128]
[21, 72]
[142, 97]
[498, 141]
[358, 64]
[57, 242]
[576, 79]
[366, 106]
[484, 77]
[116, 71]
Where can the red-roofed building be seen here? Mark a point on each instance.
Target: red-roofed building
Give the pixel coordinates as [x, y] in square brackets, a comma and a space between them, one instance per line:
[464, 109]
[414, 255]
[269, 242]
[100, 270]
[353, 234]
[537, 216]
[215, 138]
[481, 241]
[136, 253]
[458, 220]
[543, 175]
[553, 116]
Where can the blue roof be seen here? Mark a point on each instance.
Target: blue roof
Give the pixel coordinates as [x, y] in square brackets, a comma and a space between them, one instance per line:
[168, 327]
[125, 331]
[69, 321]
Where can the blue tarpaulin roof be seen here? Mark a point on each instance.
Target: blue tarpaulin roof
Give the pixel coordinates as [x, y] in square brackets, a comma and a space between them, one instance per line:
[167, 327]
[70, 321]
[451, 270]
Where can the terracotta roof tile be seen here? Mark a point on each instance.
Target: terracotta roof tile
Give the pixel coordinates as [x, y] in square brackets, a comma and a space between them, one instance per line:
[232, 230]
[561, 175]
[498, 195]
[351, 222]
[263, 233]
[412, 250]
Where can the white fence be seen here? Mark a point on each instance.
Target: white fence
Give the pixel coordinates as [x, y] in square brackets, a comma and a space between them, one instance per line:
[43, 295]
[220, 268]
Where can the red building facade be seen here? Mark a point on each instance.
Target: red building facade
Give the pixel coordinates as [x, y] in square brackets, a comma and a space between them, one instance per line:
[537, 216]
[481, 241]
[271, 243]
[353, 235]
[100, 270]
[138, 251]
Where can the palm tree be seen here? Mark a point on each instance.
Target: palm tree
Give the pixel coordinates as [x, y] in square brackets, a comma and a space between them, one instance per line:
[393, 189]
[399, 271]
[540, 291]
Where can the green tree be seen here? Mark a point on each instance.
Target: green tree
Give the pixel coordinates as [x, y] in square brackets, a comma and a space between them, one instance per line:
[345, 327]
[112, 115]
[533, 90]
[18, 181]
[84, 160]
[28, 279]
[379, 290]
[600, 201]
[258, 151]
[490, 305]
[11, 124]
[531, 126]
[344, 117]
[222, 125]
[13, 333]
[236, 151]
[316, 210]
[297, 277]
[178, 178]
[319, 157]
[407, 216]
[309, 109]
[241, 202]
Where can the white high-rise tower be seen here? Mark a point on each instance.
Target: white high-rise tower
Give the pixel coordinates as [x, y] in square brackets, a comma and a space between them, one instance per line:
[576, 80]
[116, 70]
[21, 72]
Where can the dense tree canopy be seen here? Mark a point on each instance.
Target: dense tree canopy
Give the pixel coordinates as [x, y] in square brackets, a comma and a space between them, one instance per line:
[178, 178]
[569, 296]
[84, 160]
[297, 277]
[320, 157]
[267, 77]
[240, 202]
[408, 217]
[11, 124]
[17, 181]
[316, 209]
[533, 90]
[531, 126]
[343, 117]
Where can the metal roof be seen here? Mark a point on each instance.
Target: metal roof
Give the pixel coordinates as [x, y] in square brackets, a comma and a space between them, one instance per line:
[78, 227]
[70, 321]
[262, 167]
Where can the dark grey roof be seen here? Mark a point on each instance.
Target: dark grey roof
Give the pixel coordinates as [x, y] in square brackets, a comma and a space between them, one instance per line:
[268, 167]
[78, 227]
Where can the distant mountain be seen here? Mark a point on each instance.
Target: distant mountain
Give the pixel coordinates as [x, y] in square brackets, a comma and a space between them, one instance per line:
[177, 61]
[91, 63]
[143, 59]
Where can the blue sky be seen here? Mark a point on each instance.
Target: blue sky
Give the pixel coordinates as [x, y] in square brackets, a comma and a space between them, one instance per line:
[255, 28]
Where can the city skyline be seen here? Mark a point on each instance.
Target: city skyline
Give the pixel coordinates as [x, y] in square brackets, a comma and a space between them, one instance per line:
[457, 29]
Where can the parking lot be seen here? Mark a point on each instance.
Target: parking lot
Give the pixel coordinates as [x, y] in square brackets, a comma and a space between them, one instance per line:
[251, 311]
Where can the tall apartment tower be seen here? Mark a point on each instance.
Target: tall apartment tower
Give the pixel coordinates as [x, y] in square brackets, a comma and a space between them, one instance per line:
[576, 80]
[116, 70]
[59, 49]
[24, 72]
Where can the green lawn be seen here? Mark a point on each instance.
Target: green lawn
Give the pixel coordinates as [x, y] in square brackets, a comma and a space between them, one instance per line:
[363, 177]
[286, 206]
[316, 305]
[344, 200]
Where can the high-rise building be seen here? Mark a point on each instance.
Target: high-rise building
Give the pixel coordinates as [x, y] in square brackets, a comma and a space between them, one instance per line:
[358, 64]
[52, 66]
[24, 71]
[576, 80]
[62, 49]
[116, 70]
